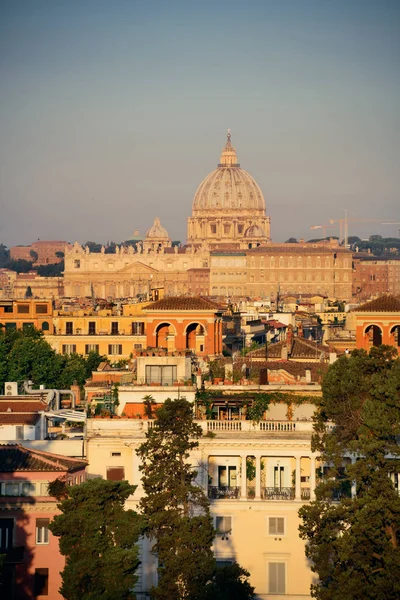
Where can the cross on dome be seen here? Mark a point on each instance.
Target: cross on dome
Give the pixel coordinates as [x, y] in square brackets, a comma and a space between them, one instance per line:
[228, 155]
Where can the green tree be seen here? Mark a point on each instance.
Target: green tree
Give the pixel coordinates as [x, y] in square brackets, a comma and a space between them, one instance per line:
[99, 538]
[354, 543]
[176, 508]
[93, 361]
[229, 583]
[29, 356]
[73, 371]
[34, 255]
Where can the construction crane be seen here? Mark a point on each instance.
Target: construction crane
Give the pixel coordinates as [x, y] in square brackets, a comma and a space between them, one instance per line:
[344, 227]
[323, 227]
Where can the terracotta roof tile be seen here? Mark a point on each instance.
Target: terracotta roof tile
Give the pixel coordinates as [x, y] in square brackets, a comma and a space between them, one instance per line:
[184, 303]
[19, 418]
[14, 457]
[13, 406]
[301, 348]
[386, 303]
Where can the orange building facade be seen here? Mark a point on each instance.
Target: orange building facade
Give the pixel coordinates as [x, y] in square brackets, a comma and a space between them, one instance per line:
[179, 323]
[378, 322]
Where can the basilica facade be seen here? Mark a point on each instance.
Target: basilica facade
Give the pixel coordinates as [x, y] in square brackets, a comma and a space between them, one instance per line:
[228, 254]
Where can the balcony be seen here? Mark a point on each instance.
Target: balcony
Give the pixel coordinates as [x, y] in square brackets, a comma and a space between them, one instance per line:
[218, 492]
[250, 426]
[274, 493]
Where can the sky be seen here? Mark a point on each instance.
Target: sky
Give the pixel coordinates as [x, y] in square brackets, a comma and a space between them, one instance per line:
[112, 112]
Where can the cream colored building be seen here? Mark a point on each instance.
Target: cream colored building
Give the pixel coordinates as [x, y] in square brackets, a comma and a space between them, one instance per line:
[229, 252]
[256, 521]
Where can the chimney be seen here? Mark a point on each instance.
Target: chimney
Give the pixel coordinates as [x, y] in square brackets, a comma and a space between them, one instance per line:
[300, 332]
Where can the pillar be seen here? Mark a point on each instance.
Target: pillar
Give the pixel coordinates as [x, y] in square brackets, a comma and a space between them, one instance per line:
[312, 478]
[243, 491]
[298, 478]
[258, 477]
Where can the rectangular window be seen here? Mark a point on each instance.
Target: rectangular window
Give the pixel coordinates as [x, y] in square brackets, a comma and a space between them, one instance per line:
[44, 489]
[6, 533]
[11, 326]
[138, 328]
[276, 526]
[8, 309]
[19, 432]
[41, 582]
[223, 526]
[77, 264]
[115, 453]
[69, 328]
[137, 346]
[91, 348]
[114, 327]
[23, 309]
[92, 328]
[115, 473]
[165, 375]
[41, 309]
[26, 326]
[69, 348]
[114, 348]
[28, 488]
[11, 489]
[42, 531]
[276, 578]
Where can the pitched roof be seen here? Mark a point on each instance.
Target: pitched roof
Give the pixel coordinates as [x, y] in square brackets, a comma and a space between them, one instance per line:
[296, 369]
[184, 303]
[15, 405]
[14, 411]
[300, 348]
[386, 303]
[14, 457]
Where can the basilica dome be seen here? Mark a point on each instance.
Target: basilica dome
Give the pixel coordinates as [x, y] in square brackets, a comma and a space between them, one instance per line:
[228, 186]
[228, 207]
[157, 230]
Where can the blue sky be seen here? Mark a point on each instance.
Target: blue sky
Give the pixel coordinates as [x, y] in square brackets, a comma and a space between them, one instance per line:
[112, 112]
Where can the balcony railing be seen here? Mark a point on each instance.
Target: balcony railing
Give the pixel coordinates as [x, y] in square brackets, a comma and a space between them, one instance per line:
[216, 492]
[250, 426]
[274, 493]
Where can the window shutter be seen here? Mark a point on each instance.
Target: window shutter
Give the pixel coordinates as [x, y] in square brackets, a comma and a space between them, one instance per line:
[115, 473]
[276, 578]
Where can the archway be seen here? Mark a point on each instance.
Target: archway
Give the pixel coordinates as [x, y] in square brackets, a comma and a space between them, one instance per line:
[395, 335]
[374, 335]
[192, 332]
[162, 333]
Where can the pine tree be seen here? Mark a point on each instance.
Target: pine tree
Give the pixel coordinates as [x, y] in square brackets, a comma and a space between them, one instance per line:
[98, 537]
[176, 508]
[353, 543]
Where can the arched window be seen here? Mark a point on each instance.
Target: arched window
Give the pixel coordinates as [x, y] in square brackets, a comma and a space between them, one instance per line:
[45, 326]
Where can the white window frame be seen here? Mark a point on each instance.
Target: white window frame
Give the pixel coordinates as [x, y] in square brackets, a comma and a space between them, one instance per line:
[269, 534]
[42, 534]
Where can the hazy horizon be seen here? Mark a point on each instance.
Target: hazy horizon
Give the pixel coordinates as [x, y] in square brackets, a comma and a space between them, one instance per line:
[112, 113]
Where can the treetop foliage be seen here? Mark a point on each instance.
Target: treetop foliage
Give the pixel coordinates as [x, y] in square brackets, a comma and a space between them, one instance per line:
[354, 543]
[25, 354]
[177, 512]
[98, 537]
